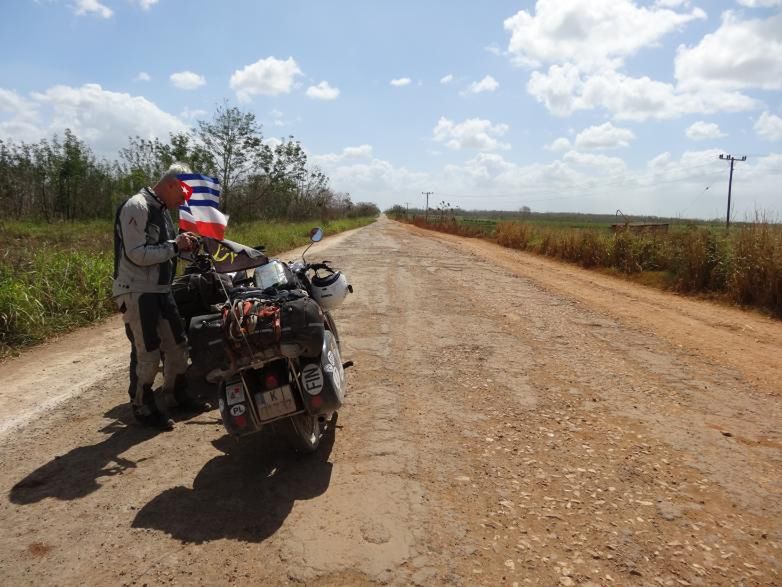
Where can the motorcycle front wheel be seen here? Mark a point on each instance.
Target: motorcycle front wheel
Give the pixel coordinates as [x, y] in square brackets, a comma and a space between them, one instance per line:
[304, 433]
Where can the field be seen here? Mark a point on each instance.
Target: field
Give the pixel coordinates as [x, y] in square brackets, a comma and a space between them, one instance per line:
[56, 277]
[742, 266]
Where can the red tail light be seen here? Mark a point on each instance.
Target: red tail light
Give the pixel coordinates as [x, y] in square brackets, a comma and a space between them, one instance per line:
[271, 381]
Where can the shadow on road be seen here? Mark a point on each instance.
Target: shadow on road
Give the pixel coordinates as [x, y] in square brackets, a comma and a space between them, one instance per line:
[76, 474]
[244, 494]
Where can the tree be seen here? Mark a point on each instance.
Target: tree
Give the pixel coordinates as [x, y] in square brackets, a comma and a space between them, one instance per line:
[234, 141]
[183, 148]
[141, 162]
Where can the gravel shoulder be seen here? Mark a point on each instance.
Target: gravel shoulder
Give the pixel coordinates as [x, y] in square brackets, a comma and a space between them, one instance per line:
[509, 420]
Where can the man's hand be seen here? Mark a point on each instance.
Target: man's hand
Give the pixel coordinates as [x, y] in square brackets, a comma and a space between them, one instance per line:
[186, 242]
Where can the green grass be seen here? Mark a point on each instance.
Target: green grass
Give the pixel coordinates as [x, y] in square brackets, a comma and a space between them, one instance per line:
[50, 292]
[57, 277]
[278, 237]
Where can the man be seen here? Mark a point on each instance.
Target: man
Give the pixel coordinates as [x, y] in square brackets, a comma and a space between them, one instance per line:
[145, 251]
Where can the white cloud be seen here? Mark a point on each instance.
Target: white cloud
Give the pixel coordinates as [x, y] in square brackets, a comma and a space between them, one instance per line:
[740, 54]
[323, 91]
[367, 178]
[399, 82]
[592, 35]
[760, 3]
[701, 130]
[142, 76]
[769, 126]
[594, 162]
[187, 80]
[473, 133]
[446, 79]
[24, 123]
[194, 114]
[564, 90]
[605, 136]
[699, 166]
[560, 144]
[12, 102]
[588, 182]
[102, 118]
[348, 153]
[584, 45]
[265, 77]
[494, 50]
[487, 84]
[357, 152]
[146, 4]
[278, 118]
[490, 173]
[83, 7]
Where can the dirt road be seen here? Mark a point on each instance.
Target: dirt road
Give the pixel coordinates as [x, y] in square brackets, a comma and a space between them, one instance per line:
[510, 421]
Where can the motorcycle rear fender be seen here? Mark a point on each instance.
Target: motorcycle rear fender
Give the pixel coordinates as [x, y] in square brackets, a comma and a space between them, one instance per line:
[322, 380]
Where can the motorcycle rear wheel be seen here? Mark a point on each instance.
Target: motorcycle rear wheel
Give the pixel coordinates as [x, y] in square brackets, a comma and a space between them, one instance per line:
[304, 433]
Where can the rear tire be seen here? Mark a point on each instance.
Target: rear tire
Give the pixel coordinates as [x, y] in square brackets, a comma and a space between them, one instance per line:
[304, 433]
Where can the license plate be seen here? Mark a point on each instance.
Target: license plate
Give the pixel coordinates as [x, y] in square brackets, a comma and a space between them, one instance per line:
[275, 402]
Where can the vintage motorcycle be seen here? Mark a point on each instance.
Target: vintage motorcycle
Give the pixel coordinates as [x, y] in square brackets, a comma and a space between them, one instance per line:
[269, 347]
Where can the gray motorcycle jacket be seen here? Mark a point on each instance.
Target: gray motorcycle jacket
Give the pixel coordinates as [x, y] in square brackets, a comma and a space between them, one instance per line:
[144, 249]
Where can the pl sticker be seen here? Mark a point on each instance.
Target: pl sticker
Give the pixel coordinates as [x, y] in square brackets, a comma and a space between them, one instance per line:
[312, 378]
[237, 410]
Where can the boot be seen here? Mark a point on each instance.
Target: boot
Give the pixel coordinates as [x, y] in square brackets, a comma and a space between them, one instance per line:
[148, 414]
[184, 400]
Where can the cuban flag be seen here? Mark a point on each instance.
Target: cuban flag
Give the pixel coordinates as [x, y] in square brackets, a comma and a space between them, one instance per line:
[200, 213]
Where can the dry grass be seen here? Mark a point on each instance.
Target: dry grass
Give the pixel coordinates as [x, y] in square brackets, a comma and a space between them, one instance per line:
[743, 266]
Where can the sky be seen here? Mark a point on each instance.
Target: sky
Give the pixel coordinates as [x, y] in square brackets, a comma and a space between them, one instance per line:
[558, 105]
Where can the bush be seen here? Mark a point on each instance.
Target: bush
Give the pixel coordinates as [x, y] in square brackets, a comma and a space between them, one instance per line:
[699, 260]
[514, 235]
[755, 276]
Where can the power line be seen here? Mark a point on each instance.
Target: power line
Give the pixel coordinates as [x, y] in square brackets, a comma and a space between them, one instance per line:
[427, 194]
[732, 160]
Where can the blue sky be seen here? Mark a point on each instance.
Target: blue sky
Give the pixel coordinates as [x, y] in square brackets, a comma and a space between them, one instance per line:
[558, 105]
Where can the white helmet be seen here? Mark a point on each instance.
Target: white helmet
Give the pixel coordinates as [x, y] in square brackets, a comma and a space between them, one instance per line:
[330, 291]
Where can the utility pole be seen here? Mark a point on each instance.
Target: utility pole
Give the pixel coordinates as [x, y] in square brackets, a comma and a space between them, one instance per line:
[427, 194]
[730, 158]
[407, 209]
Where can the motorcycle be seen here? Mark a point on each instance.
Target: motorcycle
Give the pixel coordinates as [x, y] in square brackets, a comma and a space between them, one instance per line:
[268, 345]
